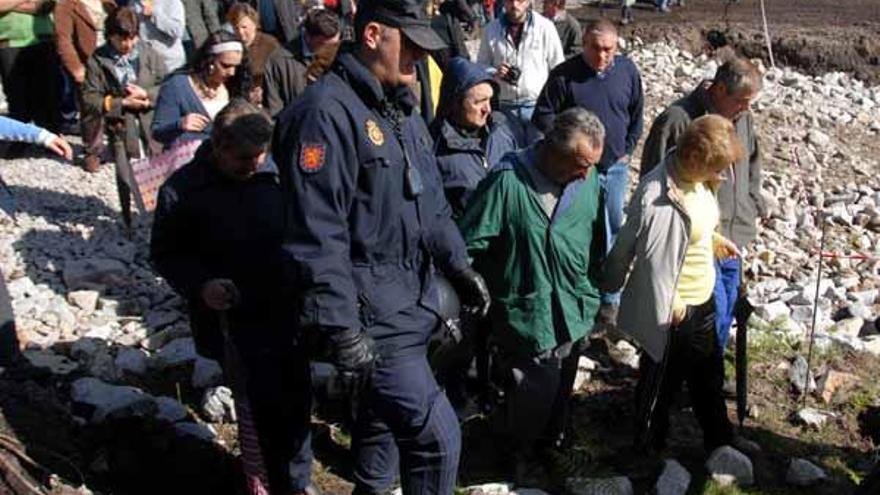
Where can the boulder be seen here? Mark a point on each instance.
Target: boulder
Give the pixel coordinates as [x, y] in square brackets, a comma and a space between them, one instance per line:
[132, 361]
[812, 418]
[674, 480]
[799, 375]
[206, 373]
[802, 472]
[489, 489]
[94, 273]
[625, 354]
[218, 405]
[86, 300]
[619, 485]
[178, 352]
[728, 464]
[55, 363]
[170, 410]
[849, 327]
[832, 381]
[104, 400]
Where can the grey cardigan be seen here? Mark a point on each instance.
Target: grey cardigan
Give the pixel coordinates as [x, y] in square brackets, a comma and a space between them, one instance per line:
[653, 240]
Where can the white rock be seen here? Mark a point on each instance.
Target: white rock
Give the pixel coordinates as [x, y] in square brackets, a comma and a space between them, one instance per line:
[872, 344]
[773, 311]
[87, 300]
[674, 480]
[206, 373]
[802, 472]
[619, 485]
[798, 375]
[813, 418]
[850, 327]
[489, 489]
[625, 354]
[105, 399]
[725, 461]
[218, 405]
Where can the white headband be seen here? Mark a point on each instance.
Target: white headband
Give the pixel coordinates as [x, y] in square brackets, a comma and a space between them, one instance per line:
[228, 46]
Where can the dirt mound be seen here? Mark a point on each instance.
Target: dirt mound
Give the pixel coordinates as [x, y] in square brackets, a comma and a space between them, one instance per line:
[816, 36]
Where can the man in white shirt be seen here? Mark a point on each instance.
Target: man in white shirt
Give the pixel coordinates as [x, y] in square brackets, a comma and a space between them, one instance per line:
[523, 46]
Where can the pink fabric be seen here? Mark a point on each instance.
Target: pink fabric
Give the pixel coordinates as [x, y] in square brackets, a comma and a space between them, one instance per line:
[251, 457]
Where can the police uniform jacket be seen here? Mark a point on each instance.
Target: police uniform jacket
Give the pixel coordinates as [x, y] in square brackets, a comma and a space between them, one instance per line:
[209, 226]
[362, 245]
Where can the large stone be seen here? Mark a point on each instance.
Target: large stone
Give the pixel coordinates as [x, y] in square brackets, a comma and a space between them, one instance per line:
[170, 410]
[625, 354]
[176, 353]
[773, 311]
[132, 361]
[218, 405]
[728, 464]
[206, 373]
[86, 300]
[619, 485]
[850, 327]
[818, 138]
[813, 418]
[57, 364]
[196, 430]
[832, 381]
[94, 273]
[584, 372]
[489, 489]
[674, 480]
[799, 375]
[802, 472]
[161, 319]
[105, 400]
[872, 344]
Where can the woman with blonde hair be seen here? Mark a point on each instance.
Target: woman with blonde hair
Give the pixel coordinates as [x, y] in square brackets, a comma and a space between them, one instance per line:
[670, 238]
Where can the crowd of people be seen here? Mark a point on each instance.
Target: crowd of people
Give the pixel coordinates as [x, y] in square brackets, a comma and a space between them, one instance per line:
[359, 177]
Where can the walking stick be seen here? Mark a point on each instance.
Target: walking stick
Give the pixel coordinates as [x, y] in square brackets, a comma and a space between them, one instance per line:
[742, 311]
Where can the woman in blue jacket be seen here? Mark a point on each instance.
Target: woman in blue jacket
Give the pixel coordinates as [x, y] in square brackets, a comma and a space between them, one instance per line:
[189, 99]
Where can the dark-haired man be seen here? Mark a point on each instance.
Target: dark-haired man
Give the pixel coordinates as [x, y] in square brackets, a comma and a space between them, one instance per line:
[217, 240]
[291, 67]
[369, 227]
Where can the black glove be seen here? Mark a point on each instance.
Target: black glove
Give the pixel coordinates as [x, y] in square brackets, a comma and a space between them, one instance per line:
[472, 290]
[352, 350]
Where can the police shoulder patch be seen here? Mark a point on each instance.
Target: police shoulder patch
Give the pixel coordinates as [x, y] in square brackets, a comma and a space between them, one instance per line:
[311, 157]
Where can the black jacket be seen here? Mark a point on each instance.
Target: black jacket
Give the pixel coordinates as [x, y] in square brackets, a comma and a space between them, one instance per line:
[209, 226]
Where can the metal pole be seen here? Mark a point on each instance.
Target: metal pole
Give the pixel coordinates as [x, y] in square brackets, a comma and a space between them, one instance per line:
[815, 310]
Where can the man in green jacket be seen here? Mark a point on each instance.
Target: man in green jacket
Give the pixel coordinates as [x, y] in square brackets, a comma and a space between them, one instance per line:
[529, 228]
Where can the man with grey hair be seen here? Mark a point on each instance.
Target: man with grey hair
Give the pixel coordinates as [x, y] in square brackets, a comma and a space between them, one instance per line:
[529, 229]
[736, 84]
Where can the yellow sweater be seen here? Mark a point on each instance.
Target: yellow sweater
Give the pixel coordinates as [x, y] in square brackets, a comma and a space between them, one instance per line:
[697, 279]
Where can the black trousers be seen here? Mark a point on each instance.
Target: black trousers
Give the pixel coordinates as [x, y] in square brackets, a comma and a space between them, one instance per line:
[9, 351]
[32, 83]
[537, 394]
[692, 357]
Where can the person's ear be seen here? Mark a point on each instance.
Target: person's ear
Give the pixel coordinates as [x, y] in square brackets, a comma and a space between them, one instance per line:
[372, 35]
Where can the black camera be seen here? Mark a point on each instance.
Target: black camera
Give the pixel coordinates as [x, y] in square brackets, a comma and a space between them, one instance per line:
[512, 76]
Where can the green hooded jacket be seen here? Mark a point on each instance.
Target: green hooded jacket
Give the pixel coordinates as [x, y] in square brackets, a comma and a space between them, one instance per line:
[541, 271]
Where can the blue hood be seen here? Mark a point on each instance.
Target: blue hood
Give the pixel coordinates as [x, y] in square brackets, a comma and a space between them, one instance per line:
[460, 75]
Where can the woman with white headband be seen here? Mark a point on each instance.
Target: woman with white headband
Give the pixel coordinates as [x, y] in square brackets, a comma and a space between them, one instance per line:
[189, 99]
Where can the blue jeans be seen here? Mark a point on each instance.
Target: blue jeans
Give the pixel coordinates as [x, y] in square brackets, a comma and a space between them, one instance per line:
[522, 111]
[614, 182]
[727, 275]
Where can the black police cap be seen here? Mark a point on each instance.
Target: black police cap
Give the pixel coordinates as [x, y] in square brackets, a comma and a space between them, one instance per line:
[410, 16]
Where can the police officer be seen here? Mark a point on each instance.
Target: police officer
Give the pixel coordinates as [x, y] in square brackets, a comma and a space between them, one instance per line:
[368, 226]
